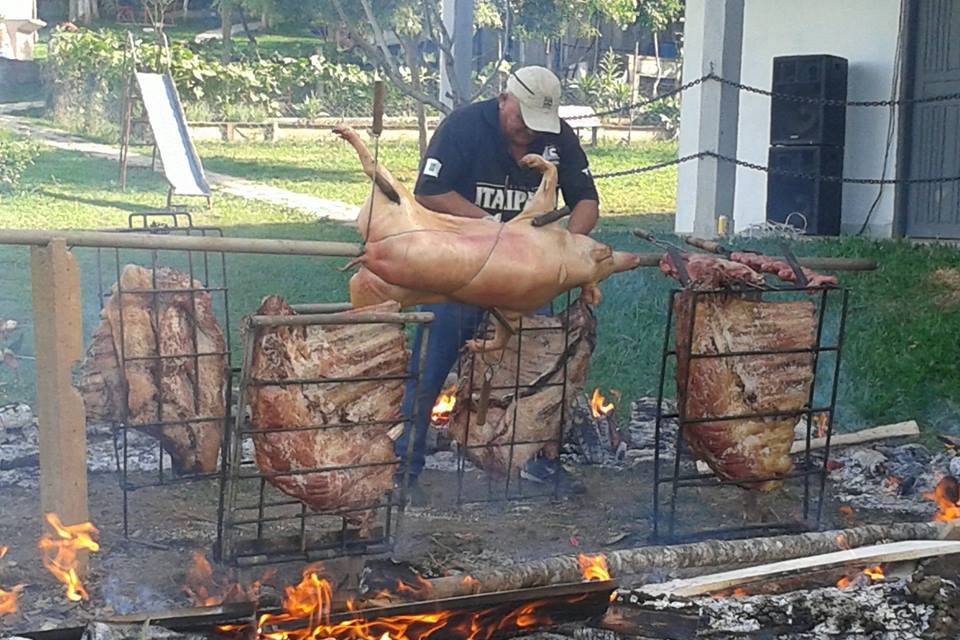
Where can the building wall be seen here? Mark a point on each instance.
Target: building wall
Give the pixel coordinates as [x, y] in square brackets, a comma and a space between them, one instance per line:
[16, 9]
[864, 32]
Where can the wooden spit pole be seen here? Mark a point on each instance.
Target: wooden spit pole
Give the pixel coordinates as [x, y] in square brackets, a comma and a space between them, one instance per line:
[110, 239]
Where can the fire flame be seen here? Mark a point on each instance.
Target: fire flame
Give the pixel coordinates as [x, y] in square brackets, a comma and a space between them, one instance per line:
[60, 553]
[945, 494]
[204, 590]
[870, 574]
[446, 401]
[8, 599]
[598, 404]
[821, 422]
[309, 603]
[593, 567]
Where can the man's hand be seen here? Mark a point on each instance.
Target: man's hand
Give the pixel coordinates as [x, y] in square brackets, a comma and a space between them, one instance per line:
[584, 217]
[452, 203]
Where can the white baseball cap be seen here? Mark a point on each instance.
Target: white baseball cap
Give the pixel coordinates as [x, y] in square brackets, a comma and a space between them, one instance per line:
[537, 90]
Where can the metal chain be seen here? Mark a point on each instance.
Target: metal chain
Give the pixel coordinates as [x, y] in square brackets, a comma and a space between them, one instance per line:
[781, 172]
[775, 95]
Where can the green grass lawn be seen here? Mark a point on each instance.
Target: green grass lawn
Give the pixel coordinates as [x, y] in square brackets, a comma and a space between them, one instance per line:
[329, 168]
[901, 354]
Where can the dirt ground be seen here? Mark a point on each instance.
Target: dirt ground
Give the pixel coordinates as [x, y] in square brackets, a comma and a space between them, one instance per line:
[147, 571]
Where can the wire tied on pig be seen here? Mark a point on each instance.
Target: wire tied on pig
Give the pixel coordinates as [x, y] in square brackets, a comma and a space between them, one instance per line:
[413, 255]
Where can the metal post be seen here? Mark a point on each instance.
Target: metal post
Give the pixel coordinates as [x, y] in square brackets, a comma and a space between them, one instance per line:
[458, 20]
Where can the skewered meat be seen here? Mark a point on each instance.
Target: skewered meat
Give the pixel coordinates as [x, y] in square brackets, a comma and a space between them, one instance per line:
[782, 269]
[317, 352]
[747, 450]
[538, 409]
[185, 385]
[415, 255]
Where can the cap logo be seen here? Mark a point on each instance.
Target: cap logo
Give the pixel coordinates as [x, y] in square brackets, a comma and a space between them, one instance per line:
[547, 102]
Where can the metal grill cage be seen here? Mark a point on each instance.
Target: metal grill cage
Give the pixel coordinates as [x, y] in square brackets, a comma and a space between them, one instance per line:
[805, 485]
[259, 523]
[208, 268]
[477, 486]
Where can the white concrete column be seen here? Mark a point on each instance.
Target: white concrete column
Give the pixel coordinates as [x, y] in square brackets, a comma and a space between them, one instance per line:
[713, 40]
[458, 20]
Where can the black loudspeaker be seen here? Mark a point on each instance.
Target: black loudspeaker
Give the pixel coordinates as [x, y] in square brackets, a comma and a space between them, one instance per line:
[818, 77]
[817, 201]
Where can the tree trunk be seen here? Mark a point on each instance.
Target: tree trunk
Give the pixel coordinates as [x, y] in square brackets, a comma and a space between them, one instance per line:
[226, 24]
[624, 562]
[656, 54]
[413, 62]
[186, 8]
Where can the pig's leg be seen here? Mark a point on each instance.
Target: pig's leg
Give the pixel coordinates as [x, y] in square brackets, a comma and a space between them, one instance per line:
[590, 294]
[385, 181]
[501, 333]
[545, 199]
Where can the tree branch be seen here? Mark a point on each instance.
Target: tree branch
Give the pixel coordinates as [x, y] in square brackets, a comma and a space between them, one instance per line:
[380, 41]
[377, 56]
[486, 83]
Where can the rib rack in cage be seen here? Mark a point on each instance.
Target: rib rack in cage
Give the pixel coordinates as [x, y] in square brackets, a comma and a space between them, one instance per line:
[273, 469]
[502, 382]
[817, 412]
[207, 284]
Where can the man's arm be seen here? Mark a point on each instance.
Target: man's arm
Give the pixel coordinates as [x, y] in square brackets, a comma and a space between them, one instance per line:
[452, 203]
[584, 217]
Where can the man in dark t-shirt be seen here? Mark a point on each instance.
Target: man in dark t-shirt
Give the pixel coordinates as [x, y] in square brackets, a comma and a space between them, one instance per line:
[472, 169]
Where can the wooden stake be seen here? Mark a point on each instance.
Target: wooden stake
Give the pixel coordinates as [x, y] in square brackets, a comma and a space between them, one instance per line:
[58, 343]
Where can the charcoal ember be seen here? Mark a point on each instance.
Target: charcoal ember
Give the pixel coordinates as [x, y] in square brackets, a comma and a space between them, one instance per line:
[15, 415]
[107, 631]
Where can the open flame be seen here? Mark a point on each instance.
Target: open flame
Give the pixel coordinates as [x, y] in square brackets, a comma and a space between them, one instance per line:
[868, 575]
[205, 590]
[8, 599]
[598, 404]
[446, 401]
[947, 495]
[60, 553]
[307, 607]
[593, 567]
[821, 422]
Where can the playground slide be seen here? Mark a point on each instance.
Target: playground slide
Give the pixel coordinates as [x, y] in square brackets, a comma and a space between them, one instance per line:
[181, 164]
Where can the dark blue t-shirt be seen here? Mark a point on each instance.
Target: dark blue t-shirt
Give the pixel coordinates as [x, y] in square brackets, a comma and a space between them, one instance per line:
[468, 154]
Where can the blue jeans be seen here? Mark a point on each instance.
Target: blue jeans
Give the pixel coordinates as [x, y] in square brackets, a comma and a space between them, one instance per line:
[453, 325]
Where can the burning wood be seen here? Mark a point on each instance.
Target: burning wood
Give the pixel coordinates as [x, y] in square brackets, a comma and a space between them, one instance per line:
[60, 553]
[307, 613]
[598, 404]
[947, 496]
[867, 576]
[139, 327]
[8, 599]
[445, 404]
[594, 567]
[205, 590]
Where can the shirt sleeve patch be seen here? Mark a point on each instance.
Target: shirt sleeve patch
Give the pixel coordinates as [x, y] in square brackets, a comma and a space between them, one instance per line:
[432, 167]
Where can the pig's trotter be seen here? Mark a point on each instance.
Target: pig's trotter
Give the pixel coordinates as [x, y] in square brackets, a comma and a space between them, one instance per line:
[501, 334]
[590, 294]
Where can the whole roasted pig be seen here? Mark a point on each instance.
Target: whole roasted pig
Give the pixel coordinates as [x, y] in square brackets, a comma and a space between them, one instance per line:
[317, 352]
[414, 255]
[147, 390]
[547, 356]
[754, 452]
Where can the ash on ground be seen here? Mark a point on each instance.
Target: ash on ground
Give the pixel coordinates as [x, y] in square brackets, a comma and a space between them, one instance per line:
[904, 609]
[892, 478]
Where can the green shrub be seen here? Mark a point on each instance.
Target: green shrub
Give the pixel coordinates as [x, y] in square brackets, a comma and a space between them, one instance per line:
[15, 157]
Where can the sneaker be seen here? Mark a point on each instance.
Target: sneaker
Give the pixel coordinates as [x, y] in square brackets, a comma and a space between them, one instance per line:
[539, 470]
